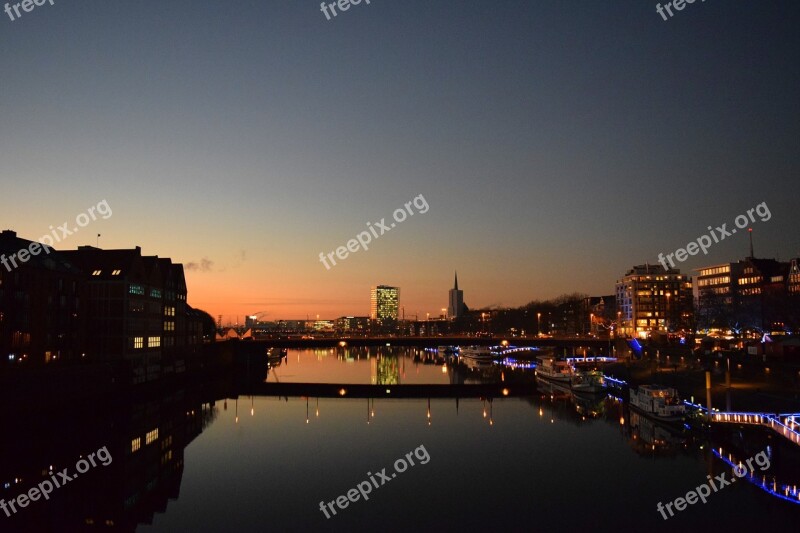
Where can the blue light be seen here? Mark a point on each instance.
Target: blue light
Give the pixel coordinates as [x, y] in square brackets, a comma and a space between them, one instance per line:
[753, 480]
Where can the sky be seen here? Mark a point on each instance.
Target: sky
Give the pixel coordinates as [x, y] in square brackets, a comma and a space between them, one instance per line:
[556, 144]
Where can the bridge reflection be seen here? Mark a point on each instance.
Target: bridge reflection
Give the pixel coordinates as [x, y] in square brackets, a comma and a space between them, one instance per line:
[347, 390]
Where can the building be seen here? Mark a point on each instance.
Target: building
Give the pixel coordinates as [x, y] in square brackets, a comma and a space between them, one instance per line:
[601, 313]
[384, 304]
[42, 305]
[136, 310]
[653, 299]
[352, 324]
[114, 306]
[455, 305]
[751, 294]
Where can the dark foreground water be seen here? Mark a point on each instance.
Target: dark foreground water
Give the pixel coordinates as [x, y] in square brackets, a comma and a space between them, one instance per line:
[207, 461]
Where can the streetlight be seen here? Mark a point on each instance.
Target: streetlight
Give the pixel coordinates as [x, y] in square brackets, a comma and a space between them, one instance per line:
[538, 321]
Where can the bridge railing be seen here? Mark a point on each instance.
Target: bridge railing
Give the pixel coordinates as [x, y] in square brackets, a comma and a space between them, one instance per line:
[771, 421]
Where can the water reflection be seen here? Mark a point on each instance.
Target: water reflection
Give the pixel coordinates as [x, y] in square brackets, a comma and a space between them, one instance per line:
[288, 436]
[146, 439]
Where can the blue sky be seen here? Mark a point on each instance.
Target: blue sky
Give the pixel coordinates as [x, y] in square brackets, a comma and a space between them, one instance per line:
[557, 143]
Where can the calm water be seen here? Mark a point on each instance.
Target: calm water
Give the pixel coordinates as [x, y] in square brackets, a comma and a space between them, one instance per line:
[220, 463]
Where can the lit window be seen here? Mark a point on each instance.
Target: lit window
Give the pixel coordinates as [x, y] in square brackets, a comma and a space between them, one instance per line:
[155, 293]
[137, 290]
[97, 272]
[169, 326]
[116, 273]
[151, 436]
[136, 444]
[138, 342]
[153, 342]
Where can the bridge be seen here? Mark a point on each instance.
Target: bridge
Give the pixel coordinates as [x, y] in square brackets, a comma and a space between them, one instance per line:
[347, 390]
[569, 343]
[785, 425]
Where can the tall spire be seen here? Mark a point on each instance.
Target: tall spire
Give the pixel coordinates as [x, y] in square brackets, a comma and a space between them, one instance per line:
[750, 231]
[456, 287]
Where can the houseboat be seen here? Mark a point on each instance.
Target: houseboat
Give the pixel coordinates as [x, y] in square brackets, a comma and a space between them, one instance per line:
[659, 402]
[548, 367]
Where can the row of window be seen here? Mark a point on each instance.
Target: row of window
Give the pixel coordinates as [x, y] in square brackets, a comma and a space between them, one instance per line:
[751, 292]
[152, 342]
[718, 270]
[100, 272]
[151, 437]
[750, 281]
[138, 290]
[723, 280]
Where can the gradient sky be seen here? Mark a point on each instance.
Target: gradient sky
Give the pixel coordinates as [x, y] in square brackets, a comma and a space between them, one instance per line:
[557, 143]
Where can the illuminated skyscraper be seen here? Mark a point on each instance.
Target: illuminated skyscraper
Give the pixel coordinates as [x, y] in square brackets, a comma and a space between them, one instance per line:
[455, 305]
[384, 303]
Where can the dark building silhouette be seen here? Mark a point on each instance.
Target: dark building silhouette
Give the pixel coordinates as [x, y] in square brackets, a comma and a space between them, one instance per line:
[752, 293]
[113, 306]
[137, 310]
[455, 301]
[41, 305]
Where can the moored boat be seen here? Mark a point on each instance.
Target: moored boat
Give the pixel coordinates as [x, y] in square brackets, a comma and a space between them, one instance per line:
[477, 352]
[659, 402]
[591, 381]
[548, 367]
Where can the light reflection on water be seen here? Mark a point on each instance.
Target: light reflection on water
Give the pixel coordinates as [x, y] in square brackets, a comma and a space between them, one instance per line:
[541, 463]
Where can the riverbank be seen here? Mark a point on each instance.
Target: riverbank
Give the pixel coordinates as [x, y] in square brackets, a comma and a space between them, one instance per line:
[754, 386]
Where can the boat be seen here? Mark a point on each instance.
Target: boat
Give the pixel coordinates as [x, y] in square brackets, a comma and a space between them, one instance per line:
[659, 402]
[477, 352]
[591, 381]
[448, 350]
[548, 367]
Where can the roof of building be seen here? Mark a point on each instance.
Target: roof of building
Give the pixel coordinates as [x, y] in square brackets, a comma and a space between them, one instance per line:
[54, 260]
